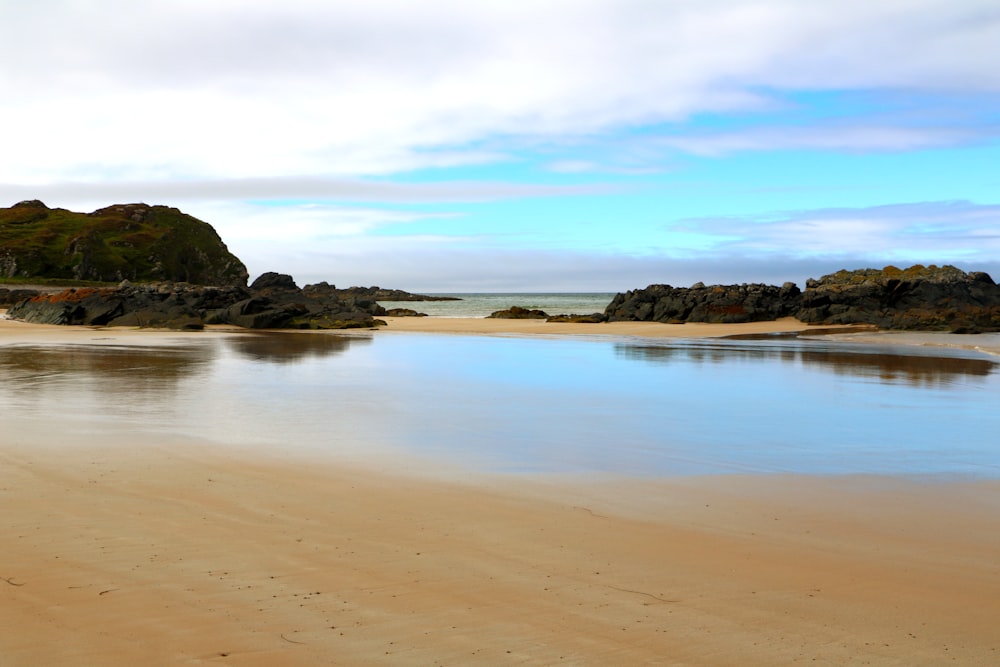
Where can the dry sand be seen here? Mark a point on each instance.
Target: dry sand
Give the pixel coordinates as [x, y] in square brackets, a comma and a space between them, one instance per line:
[164, 553]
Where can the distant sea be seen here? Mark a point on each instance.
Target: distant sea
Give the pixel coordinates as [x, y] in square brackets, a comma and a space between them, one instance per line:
[484, 304]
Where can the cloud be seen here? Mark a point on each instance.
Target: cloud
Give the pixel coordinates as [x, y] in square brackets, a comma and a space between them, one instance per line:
[917, 232]
[344, 190]
[823, 137]
[168, 89]
[449, 264]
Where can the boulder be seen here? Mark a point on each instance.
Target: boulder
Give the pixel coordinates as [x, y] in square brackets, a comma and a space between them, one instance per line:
[519, 313]
[403, 312]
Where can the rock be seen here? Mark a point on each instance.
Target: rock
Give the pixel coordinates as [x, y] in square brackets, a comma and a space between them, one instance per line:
[519, 313]
[593, 318]
[185, 306]
[377, 293]
[700, 303]
[919, 298]
[8, 297]
[403, 312]
[272, 280]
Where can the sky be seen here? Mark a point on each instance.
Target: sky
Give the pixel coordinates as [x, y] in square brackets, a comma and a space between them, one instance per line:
[551, 145]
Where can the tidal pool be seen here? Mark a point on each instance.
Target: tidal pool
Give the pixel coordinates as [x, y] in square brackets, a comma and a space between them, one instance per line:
[524, 405]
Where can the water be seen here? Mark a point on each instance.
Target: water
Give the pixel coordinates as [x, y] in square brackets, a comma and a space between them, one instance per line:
[505, 404]
[482, 305]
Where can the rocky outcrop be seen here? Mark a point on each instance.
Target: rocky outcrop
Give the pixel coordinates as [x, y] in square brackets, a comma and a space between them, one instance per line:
[134, 242]
[377, 293]
[404, 312]
[592, 318]
[519, 313]
[8, 297]
[700, 303]
[918, 298]
[272, 302]
[925, 298]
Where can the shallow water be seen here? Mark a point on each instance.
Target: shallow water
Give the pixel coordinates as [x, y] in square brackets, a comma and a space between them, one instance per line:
[484, 304]
[515, 404]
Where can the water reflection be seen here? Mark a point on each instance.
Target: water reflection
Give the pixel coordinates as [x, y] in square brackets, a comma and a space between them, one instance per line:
[115, 368]
[552, 405]
[290, 348]
[911, 366]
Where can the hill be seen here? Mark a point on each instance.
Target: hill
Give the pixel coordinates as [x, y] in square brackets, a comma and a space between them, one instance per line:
[135, 242]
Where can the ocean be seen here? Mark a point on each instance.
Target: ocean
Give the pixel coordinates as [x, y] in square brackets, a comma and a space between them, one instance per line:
[483, 304]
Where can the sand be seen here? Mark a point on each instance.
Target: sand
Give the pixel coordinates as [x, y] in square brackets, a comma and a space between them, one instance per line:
[483, 325]
[171, 553]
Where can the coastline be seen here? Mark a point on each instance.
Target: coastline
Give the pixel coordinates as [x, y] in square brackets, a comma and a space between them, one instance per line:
[174, 553]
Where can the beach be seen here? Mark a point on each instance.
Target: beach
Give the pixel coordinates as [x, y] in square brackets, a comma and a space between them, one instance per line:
[174, 552]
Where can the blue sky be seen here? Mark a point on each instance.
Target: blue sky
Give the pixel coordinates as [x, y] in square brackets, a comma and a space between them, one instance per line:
[494, 146]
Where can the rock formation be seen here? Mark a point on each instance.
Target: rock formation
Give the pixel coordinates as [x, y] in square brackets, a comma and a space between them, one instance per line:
[376, 293]
[272, 302]
[698, 303]
[929, 298]
[133, 242]
[519, 313]
[917, 298]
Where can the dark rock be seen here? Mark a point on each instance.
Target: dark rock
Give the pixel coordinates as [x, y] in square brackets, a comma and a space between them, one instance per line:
[700, 303]
[272, 280]
[593, 318]
[403, 312]
[919, 298]
[377, 293]
[185, 306]
[519, 313]
[8, 297]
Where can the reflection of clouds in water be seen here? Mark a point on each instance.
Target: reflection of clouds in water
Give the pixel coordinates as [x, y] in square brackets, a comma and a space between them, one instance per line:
[910, 366]
[689, 407]
[288, 347]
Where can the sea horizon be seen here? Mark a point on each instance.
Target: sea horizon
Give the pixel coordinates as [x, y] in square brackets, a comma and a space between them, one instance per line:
[482, 304]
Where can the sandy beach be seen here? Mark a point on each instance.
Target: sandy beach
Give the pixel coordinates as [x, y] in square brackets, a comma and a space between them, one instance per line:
[174, 553]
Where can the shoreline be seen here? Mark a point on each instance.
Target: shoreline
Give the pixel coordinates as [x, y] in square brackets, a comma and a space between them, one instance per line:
[170, 551]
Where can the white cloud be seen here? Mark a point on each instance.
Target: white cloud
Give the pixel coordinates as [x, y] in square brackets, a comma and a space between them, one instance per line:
[246, 89]
[930, 232]
[835, 137]
[81, 195]
[449, 264]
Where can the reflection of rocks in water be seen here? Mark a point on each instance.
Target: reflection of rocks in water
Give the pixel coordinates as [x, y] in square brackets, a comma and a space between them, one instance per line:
[290, 347]
[887, 367]
[900, 368]
[114, 368]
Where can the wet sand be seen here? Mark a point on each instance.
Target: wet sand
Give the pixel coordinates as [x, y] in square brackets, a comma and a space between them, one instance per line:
[483, 325]
[987, 343]
[167, 553]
